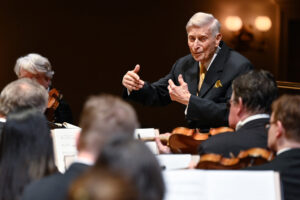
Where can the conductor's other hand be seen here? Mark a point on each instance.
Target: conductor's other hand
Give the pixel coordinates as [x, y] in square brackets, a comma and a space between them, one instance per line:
[131, 79]
[179, 93]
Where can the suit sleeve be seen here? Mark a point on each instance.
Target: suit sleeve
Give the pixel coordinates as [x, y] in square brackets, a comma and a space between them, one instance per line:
[206, 112]
[153, 94]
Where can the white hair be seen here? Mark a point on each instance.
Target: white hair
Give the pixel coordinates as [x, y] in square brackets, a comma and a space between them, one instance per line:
[34, 63]
[202, 19]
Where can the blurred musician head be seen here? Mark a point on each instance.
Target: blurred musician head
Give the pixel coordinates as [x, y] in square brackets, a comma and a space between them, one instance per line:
[253, 93]
[102, 184]
[102, 117]
[284, 126]
[134, 160]
[23, 93]
[36, 67]
[26, 151]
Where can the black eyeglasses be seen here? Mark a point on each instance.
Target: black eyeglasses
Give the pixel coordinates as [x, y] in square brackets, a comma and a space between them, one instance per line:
[268, 125]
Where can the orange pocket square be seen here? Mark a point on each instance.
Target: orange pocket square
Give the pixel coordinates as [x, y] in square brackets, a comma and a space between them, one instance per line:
[218, 84]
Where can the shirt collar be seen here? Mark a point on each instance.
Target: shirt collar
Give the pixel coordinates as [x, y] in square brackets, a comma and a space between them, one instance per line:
[2, 119]
[251, 118]
[282, 150]
[84, 161]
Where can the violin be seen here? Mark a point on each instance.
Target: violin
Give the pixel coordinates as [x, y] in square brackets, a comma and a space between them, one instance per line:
[185, 140]
[223, 129]
[246, 158]
[216, 161]
[255, 156]
[53, 103]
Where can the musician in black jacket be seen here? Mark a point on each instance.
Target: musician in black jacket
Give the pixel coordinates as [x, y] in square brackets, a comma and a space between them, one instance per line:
[250, 106]
[37, 67]
[284, 139]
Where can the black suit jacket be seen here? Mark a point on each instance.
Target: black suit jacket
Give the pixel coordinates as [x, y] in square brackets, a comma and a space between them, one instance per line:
[63, 112]
[288, 164]
[208, 109]
[251, 134]
[55, 186]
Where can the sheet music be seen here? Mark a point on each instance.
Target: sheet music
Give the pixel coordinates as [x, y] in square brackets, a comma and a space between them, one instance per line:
[221, 184]
[65, 151]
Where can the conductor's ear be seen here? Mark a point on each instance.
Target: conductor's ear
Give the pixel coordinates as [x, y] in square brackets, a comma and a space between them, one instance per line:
[218, 39]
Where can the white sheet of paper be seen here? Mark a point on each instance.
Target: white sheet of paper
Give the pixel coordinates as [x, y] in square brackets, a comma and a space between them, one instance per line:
[174, 161]
[68, 125]
[221, 184]
[153, 147]
[148, 133]
[144, 133]
[65, 151]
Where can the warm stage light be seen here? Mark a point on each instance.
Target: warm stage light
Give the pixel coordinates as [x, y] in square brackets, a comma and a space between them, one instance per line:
[263, 23]
[233, 23]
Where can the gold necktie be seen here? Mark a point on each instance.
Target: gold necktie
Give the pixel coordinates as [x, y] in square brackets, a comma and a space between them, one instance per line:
[201, 76]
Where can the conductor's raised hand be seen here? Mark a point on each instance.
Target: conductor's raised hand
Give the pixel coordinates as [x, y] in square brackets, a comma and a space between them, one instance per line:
[131, 79]
[179, 93]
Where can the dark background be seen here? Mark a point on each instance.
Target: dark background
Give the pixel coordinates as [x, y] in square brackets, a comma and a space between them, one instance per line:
[92, 44]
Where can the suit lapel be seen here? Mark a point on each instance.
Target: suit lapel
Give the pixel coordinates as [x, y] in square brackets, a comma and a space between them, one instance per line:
[215, 70]
[191, 78]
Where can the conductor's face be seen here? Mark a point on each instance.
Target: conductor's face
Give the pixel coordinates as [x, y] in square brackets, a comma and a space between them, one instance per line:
[202, 43]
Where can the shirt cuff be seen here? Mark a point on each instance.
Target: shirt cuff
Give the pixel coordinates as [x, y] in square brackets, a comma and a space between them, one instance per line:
[185, 111]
